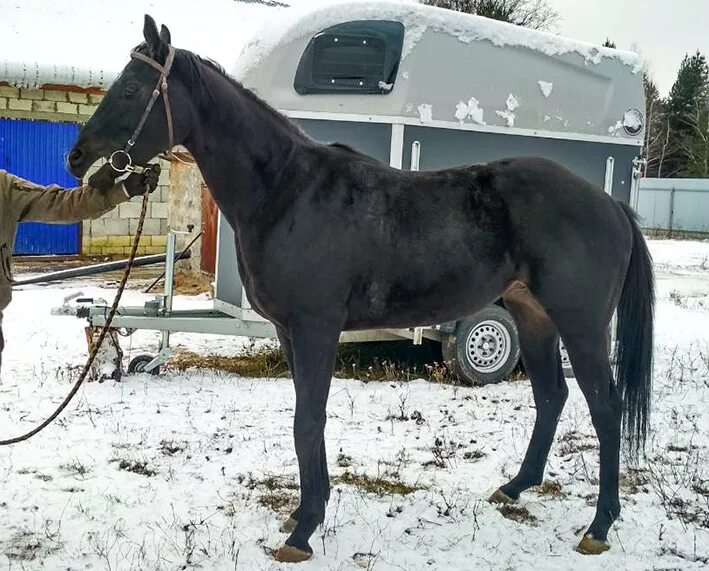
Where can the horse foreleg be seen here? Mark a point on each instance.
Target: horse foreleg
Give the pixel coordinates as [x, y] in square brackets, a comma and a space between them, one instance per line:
[313, 349]
[287, 347]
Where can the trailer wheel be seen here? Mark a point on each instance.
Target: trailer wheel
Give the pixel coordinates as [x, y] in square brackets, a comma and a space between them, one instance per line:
[137, 365]
[484, 348]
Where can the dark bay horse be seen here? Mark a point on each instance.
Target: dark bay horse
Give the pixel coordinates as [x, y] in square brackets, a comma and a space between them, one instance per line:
[330, 240]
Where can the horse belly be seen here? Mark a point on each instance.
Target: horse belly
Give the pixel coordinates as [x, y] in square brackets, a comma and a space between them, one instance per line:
[412, 302]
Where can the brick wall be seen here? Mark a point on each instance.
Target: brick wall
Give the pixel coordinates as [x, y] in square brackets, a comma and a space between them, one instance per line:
[111, 234]
[51, 104]
[185, 209]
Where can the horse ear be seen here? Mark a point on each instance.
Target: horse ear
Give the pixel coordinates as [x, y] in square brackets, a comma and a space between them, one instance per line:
[150, 33]
[165, 35]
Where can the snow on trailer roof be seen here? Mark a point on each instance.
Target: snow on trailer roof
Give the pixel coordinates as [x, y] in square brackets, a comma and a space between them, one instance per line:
[459, 71]
[86, 44]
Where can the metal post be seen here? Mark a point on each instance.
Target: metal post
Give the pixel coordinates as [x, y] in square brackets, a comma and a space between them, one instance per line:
[170, 269]
[169, 284]
[672, 210]
[415, 160]
[639, 169]
[608, 185]
[396, 150]
[166, 302]
[415, 155]
[418, 335]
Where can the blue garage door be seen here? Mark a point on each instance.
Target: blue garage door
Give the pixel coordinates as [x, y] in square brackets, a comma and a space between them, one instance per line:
[35, 150]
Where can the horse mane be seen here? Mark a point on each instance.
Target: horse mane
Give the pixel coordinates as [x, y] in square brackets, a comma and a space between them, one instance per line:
[350, 150]
[343, 147]
[190, 63]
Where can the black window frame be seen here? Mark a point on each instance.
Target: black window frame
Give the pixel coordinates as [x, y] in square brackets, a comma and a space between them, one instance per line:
[385, 33]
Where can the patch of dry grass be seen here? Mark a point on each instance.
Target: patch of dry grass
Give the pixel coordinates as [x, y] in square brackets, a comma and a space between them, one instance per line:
[76, 469]
[385, 361]
[171, 447]
[25, 545]
[193, 283]
[634, 481]
[378, 486]
[551, 488]
[267, 363]
[474, 455]
[136, 467]
[517, 513]
[277, 493]
[574, 442]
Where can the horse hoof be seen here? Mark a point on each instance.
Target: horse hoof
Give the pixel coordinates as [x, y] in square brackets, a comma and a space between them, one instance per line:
[500, 497]
[591, 546]
[290, 554]
[288, 526]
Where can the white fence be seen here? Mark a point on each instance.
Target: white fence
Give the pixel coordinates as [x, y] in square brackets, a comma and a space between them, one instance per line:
[672, 204]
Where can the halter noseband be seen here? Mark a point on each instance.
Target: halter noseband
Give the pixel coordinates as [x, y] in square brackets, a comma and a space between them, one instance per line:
[160, 87]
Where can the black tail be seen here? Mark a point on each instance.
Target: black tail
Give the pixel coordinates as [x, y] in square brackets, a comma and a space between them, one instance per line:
[634, 340]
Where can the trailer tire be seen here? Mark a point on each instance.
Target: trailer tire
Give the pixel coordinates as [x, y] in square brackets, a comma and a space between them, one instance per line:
[483, 349]
[137, 365]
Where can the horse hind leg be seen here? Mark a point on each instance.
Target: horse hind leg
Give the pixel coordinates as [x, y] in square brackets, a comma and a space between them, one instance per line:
[539, 342]
[589, 356]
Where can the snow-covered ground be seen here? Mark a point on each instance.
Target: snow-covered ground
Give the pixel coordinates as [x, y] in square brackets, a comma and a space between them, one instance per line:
[173, 472]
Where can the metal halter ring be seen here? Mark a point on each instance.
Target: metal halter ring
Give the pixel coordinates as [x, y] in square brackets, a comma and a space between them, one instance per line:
[129, 161]
[130, 167]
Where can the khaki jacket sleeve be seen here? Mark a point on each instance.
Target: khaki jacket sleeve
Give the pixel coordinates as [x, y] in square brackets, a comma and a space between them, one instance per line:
[35, 203]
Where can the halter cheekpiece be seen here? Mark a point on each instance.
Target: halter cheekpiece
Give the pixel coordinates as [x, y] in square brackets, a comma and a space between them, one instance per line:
[160, 88]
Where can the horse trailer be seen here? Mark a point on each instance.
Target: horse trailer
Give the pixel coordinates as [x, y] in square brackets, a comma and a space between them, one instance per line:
[418, 87]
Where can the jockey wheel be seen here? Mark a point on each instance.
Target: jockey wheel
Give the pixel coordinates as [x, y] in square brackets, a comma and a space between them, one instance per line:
[137, 365]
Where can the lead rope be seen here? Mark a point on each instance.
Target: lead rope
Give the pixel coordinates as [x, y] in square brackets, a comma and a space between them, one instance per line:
[160, 88]
[102, 336]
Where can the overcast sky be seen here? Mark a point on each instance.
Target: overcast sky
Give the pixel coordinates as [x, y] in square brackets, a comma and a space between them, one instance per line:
[663, 31]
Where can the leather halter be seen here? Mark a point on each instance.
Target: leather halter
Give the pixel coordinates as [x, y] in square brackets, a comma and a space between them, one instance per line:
[160, 88]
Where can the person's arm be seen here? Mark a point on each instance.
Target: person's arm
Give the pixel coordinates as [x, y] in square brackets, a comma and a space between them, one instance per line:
[34, 203]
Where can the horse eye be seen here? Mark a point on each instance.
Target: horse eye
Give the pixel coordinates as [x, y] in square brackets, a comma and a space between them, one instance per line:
[130, 90]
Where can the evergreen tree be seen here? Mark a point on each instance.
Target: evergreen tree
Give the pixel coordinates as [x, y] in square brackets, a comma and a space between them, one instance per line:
[696, 146]
[688, 99]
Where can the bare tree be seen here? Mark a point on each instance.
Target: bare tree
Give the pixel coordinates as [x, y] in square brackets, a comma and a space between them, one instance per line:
[667, 147]
[656, 131]
[536, 14]
[696, 145]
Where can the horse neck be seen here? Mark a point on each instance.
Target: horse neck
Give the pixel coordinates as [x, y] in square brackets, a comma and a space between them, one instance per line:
[244, 148]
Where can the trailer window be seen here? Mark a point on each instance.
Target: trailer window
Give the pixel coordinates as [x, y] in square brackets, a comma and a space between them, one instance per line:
[354, 57]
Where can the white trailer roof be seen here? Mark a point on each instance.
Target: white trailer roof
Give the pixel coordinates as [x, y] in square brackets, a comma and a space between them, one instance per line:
[86, 44]
[456, 69]
[461, 71]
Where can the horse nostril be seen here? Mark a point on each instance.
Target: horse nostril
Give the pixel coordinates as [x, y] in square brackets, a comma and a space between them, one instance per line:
[75, 157]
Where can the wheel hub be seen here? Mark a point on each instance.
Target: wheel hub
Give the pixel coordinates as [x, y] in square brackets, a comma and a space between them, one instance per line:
[488, 346]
